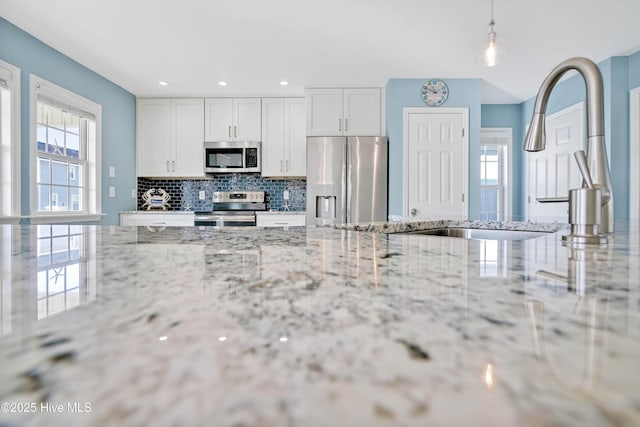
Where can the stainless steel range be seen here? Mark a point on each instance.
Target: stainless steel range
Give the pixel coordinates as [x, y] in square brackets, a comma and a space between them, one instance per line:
[233, 208]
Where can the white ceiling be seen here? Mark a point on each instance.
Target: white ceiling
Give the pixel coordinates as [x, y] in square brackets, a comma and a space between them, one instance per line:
[254, 44]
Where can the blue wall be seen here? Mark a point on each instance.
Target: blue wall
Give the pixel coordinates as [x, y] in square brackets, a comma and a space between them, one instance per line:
[401, 93]
[118, 113]
[509, 116]
[634, 70]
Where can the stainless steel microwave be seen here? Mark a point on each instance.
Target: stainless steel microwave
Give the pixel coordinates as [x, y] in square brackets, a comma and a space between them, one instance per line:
[232, 156]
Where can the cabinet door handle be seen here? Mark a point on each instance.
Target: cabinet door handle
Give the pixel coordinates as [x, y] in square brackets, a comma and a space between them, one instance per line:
[173, 165]
[281, 166]
[340, 124]
[345, 124]
[229, 131]
[235, 131]
[286, 165]
[167, 165]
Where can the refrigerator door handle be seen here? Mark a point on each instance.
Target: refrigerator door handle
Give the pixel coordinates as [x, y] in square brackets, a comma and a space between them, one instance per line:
[348, 182]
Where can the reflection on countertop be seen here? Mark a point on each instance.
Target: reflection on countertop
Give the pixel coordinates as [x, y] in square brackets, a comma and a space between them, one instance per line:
[318, 326]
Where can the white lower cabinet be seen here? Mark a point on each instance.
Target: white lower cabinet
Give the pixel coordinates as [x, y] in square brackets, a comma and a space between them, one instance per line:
[280, 220]
[159, 219]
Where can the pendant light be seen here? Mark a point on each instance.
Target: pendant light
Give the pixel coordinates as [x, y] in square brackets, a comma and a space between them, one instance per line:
[494, 49]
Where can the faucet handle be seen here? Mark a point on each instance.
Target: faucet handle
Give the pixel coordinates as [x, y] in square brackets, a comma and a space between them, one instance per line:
[581, 159]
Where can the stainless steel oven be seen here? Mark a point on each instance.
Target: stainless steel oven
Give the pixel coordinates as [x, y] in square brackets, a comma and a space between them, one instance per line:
[232, 156]
[232, 209]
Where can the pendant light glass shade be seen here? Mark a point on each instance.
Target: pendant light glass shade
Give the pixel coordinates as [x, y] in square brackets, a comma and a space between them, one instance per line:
[494, 50]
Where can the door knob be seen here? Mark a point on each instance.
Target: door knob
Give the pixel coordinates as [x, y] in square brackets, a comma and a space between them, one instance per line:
[414, 212]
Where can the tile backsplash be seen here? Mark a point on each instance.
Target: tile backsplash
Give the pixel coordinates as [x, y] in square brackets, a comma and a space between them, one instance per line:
[184, 192]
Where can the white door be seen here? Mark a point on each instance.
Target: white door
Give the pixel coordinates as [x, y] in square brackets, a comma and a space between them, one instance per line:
[188, 128]
[436, 163]
[218, 119]
[247, 119]
[361, 112]
[553, 171]
[634, 176]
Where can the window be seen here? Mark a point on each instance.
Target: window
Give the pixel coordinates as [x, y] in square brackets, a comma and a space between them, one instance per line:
[65, 155]
[494, 178]
[9, 143]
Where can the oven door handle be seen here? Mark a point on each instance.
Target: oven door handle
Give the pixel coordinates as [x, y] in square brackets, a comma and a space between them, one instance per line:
[234, 218]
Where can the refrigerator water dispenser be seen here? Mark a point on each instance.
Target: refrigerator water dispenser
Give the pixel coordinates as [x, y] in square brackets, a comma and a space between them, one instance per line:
[326, 207]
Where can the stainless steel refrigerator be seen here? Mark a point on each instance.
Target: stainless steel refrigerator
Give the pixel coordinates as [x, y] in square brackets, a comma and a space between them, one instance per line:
[346, 179]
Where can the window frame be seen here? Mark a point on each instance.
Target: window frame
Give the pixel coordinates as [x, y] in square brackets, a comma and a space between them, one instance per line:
[506, 168]
[77, 103]
[11, 204]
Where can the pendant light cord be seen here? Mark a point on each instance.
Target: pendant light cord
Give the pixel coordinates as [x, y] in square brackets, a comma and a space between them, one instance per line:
[492, 23]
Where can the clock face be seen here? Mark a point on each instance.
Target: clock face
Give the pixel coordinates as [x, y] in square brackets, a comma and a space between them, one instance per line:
[435, 92]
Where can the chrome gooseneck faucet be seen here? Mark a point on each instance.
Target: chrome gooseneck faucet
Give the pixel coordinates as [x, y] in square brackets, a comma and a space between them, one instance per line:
[598, 165]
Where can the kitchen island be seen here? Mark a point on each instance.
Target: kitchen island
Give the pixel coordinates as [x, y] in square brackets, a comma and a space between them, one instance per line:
[196, 326]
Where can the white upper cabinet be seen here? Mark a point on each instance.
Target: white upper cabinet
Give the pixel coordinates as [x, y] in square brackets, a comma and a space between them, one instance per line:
[361, 112]
[232, 119]
[284, 149]
[153, 136]
[332, 112]
[170, 133]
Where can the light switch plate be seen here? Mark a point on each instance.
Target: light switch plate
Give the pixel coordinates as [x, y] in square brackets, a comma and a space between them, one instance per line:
[133, 193]
[112, 192]
[112, 172]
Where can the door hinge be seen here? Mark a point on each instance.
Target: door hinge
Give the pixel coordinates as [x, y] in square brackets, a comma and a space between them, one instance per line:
[462, 197]
[463, 132]
[528, 199]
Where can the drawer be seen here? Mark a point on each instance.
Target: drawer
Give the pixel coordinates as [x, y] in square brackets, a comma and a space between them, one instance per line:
[160, 219]
[280, 220]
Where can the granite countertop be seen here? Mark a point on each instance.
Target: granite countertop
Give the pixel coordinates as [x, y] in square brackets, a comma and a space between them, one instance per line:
[310, 326]
[407, 226]
[157, 211]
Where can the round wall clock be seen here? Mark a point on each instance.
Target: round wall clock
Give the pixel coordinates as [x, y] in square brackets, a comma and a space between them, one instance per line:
[435, 92]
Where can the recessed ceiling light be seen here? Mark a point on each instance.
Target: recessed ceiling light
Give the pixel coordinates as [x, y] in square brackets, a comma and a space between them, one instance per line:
[163, 83]
[222, 83]
[284, 83]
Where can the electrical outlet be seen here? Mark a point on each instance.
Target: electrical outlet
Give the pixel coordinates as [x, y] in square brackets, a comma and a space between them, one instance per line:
[201, 195]
[285, 194]
[112, 192]
[112, 172]
[133, 193]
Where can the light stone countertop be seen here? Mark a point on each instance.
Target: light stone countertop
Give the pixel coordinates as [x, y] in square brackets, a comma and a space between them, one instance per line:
[198, 326]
